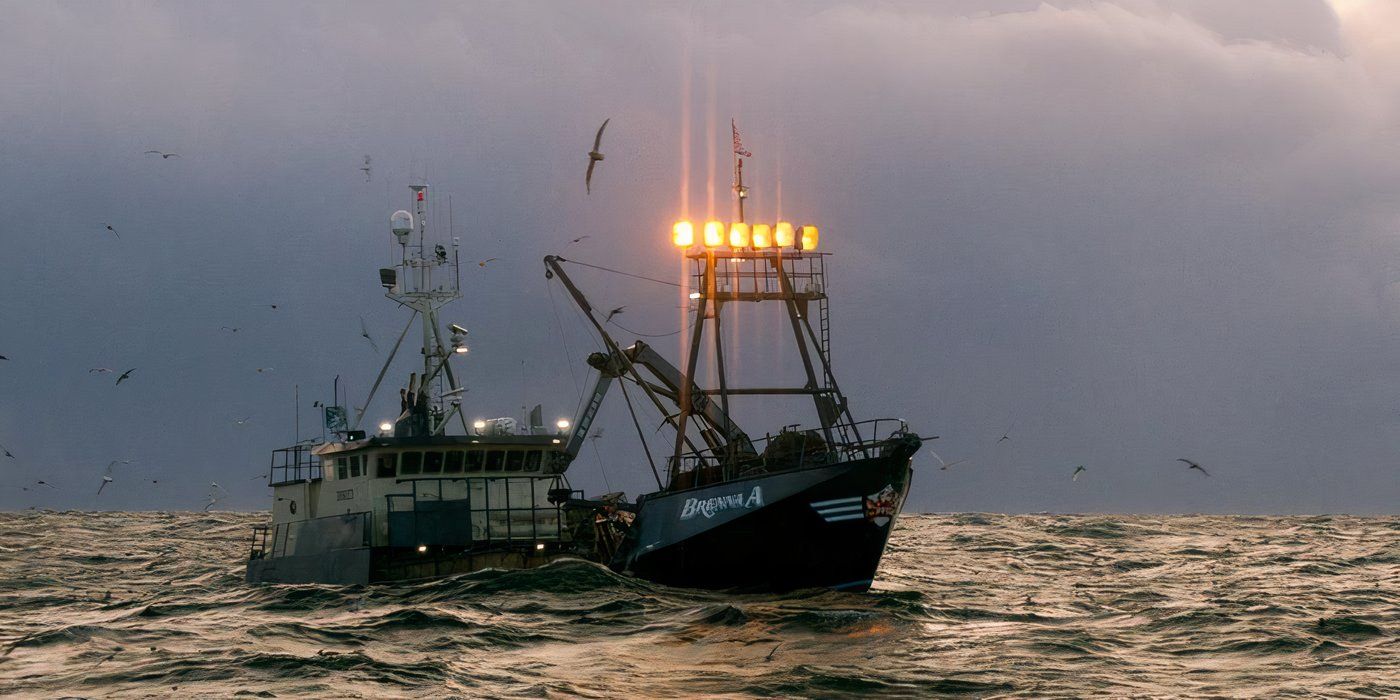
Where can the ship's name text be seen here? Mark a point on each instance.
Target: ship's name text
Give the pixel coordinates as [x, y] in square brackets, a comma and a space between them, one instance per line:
[709, 507]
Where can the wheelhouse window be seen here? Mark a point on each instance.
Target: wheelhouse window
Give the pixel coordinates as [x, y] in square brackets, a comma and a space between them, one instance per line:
[411, 463]
[385, 466]
[453, 464]
[356, 465]
[532, 460]
[474, 458]
[342, 469]
[432, 462]
[495, 459]
[515, 460]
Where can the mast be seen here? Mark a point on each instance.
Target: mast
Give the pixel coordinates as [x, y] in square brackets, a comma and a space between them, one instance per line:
[410, 283]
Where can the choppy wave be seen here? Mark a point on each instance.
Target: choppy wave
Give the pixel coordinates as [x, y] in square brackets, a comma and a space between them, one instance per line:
[974, 605]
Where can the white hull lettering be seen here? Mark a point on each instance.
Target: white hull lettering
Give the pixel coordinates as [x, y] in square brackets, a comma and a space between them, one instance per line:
[709, 507]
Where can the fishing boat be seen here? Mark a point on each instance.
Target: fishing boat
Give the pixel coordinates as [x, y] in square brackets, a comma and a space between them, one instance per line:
[802, 507]
[418, 498]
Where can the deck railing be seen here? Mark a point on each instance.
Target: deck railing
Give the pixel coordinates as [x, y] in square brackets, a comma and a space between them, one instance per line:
[294, 464]
[793, 447]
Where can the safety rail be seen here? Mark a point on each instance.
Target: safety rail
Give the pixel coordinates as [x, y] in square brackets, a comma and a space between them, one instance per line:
[295, 464]
[791, 448]
[482, 513]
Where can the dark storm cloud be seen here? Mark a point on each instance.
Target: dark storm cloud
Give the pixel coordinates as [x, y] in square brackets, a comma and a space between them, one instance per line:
[1129, 231]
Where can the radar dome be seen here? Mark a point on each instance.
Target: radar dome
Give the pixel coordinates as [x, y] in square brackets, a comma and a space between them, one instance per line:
[402, 223]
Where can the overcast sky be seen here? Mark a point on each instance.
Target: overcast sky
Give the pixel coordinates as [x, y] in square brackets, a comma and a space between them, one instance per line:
[1124, 231]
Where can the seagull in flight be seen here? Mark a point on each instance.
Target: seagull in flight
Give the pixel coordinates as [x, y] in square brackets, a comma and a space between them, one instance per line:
[6, 451]
[41, 482]
[100, 370]
[125, 375]
[366, 169]
[580, 239]
[264, 369]
[1077, 471]
[163, 155]
[1004, 436]
[1193, 465]
[113, 230]
[242, 421]
[230, 329]
[482, 263]
[594, 156]
[945, 466]
[614, 312]
[364, 332]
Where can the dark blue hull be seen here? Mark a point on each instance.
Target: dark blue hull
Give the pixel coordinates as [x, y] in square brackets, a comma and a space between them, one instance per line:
[817, 527]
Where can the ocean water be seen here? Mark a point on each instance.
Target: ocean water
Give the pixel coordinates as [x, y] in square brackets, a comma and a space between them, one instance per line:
[154, 604]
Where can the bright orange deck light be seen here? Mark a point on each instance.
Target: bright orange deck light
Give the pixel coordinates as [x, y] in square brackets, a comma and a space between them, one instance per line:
[739, 235]
[782, 235]
[714, 234]
[762, 236]
[683, 234]
[809, 237]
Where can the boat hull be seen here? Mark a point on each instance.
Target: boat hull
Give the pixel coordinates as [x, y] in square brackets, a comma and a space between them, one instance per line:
[820, 527]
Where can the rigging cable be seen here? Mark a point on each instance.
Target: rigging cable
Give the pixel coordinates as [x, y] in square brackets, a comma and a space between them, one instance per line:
[640, 434]
[618, 272]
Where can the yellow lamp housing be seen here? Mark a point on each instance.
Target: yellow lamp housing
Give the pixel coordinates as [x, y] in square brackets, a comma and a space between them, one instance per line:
[714, 234]
[739, 235]
[809, 237]
[782, 235]
[683, 234]
[762, 236]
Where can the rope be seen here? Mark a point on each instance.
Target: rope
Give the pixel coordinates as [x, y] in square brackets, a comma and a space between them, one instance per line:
[646, 335]
[620, 272]
[640, 434]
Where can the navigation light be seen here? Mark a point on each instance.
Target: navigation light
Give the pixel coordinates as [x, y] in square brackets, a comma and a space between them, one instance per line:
[762, 236]
[782, 235]
[739, 235]
[714, 234]
[683, 234]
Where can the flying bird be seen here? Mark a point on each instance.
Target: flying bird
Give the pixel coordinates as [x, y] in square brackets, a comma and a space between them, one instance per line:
[366, 169]
[125, 375]
[364, 333]
[614, 312]
[482, 263]
[114, 231]
[230, 329]
[1077, 471]
[264, 369]
[594, 156]
[580, 239]
[242, 421]
[945, 466]
[2, 357]
[6, 451]
[1006, 435]
[163, 155]
[1193, 465]
[100, 370]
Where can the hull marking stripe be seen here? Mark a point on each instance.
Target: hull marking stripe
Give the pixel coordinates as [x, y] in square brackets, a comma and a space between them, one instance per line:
[852, 516]
[835, 501]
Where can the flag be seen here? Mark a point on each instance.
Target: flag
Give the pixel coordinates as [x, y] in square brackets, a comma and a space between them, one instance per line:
[335, 418]
[738, 145]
